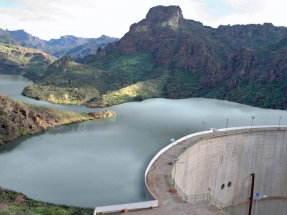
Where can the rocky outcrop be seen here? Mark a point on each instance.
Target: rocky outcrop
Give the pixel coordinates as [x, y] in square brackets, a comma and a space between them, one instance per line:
[104, 114]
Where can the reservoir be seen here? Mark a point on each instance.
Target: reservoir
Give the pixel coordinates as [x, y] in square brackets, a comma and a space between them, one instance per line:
[102, 162]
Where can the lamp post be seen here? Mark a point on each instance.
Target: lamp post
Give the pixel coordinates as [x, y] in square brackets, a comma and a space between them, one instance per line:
[252, 117]
[174, 173]
[172, 141]
[202, 128]
[186, 133]
[226, 125]
[280, 121]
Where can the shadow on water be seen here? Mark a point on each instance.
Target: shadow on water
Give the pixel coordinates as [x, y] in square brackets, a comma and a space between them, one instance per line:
[63, 129]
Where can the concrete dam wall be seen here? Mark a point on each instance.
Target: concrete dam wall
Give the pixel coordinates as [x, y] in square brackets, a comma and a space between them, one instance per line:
[222, 166]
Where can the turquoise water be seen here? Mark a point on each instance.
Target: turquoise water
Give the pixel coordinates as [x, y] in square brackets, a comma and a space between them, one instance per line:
[102, 162]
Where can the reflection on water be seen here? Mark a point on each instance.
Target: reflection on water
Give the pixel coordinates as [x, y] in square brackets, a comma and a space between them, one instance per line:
[102, 162]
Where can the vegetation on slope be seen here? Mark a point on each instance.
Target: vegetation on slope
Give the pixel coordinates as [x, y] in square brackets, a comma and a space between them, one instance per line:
[22, 60]
[13, 203]
[116, 79]
[19, 119]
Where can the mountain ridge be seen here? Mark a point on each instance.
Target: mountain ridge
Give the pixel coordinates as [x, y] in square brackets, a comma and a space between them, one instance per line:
[180, 58]
[65, 44]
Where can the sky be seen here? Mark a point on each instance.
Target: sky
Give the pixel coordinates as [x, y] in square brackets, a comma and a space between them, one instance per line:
[49, 19]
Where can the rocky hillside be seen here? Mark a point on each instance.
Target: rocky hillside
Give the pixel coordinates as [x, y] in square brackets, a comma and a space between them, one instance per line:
[165, 55]
[21, 60]
[13, 203]
[74, 47]
[19, 119]
[252, 77]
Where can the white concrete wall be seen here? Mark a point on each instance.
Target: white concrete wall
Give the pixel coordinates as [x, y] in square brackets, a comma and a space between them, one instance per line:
[129, 206]
[232, 158]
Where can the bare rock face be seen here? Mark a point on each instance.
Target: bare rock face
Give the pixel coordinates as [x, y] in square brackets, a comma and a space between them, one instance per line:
[162, 13]
[4, 206]
[104, 114]
[19, 199]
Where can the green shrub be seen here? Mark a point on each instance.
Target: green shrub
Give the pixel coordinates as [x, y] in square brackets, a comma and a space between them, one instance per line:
[13, 208]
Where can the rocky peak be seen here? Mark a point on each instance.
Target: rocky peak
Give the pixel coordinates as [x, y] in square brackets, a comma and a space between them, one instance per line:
[165, 13]
[26, 37]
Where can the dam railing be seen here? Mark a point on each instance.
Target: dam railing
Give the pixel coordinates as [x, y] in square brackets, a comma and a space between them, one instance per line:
[205, 197]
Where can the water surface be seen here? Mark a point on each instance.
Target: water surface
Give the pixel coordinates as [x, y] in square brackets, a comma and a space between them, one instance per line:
[102, 162]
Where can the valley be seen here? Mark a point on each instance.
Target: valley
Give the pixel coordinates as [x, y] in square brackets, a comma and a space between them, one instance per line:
[164, 69]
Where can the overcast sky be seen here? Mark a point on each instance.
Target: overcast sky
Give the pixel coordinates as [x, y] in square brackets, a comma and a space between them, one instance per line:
[91, 18]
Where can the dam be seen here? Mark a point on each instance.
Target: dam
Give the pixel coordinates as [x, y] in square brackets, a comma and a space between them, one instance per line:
[235, 171]
[230, 166]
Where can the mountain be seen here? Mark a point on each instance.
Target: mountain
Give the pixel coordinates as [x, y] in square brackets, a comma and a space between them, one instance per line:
[170, 37]
[7, 38]
[64, 46]
[165, 55]
[86, 49]
[27, 38]
[22, 60]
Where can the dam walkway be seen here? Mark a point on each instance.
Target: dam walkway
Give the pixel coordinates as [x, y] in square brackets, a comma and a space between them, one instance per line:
[158, 180]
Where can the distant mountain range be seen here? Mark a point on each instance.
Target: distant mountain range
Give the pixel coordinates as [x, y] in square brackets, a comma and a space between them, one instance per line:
[7, 38]
[165, 55]
[22, 53]
[74, 47]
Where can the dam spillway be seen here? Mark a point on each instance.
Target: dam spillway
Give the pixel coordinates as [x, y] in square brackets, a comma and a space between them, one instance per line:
[221, 165]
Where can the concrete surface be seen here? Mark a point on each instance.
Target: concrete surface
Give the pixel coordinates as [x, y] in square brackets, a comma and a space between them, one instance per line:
[169, 203]
[212, 164]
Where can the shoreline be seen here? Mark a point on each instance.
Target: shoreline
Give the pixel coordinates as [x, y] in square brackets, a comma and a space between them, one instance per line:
[19, 119]
[17, 202]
